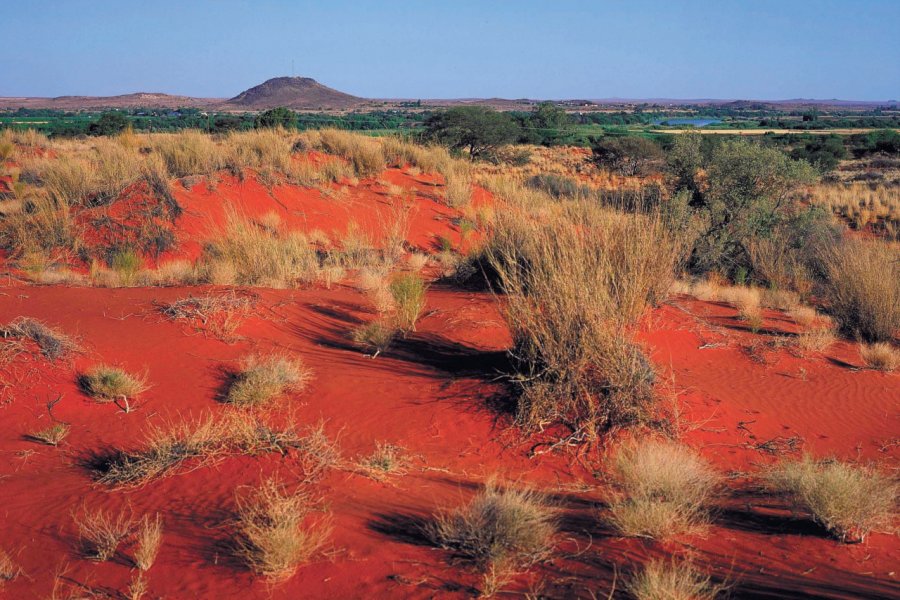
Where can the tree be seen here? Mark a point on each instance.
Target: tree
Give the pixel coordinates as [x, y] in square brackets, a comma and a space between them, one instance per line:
[109, 123]
[550, 125]
[478, 129]
[745, 199]
[628, 155]
[277, 117]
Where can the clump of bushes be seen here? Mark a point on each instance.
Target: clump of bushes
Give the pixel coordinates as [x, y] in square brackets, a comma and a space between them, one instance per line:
[262, 379]
[849, 501]
[880, 356]
[663, 489]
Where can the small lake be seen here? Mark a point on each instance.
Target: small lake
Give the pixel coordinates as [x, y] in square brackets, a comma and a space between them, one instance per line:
[681, 122]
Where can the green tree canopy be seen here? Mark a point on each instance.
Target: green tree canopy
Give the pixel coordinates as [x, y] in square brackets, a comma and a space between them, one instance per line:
[478, 129]
[277, 117]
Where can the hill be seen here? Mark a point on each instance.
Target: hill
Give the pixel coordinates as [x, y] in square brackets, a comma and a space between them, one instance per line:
[299, 93]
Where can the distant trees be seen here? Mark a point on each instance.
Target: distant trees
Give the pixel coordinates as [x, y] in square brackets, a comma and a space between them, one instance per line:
[627, 155]
[477, 129]
[823, 152]
[277, 117]
[109, 123]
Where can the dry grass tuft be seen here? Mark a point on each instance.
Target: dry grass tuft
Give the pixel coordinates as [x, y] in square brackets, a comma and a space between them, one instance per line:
[218, 314]
[408, 293]
[660, 580]
[51, 436]
[106, 383]
[816, 339]
[148, 539]
[274, 532]
[376, 337]
[849, 501]
[664, 489]
[101, 532]
[52, 344]
[863, 289]
[263, 379]
[880, 356]
[247, 253]
[501, 528]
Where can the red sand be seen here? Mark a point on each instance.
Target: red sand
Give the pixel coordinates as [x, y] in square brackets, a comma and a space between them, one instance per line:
[743, 402]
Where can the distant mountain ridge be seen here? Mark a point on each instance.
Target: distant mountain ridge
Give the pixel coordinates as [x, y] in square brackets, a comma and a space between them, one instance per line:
[305, 93]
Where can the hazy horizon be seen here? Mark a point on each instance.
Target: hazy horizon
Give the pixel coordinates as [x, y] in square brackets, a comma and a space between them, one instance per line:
[572, 49]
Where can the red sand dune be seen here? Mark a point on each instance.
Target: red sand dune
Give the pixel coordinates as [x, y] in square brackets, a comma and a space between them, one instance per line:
[437, 395]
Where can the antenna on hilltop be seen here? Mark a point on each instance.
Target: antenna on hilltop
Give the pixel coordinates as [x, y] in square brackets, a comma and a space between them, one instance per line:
[292, 67]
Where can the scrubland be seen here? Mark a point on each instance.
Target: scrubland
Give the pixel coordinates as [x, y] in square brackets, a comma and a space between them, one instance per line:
[554, 377]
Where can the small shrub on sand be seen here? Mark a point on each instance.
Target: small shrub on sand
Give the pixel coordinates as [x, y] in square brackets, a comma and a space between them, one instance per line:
[189, 153]
[498, 527]
[408, 292]
[9, 570]
[664, 489]
[263, 379]
[363, 152]
[387, 459]
[376, 337]
[660, 580]
[805, 316]
[880, 356]
[137, 587]
[274, 534]
[126, 263]
[459, 187]
[101, 532]
[51, 436]
[106, 383]
[863, 289]
[849, 501]
[52, 344]
[148, 540]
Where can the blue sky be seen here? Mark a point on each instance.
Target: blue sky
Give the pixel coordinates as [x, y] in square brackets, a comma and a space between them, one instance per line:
[765, 49]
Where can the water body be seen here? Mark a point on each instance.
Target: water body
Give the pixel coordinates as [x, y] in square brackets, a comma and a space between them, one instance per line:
[681, 122]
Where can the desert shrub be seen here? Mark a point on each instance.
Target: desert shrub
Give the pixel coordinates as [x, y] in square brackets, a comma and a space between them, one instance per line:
[43, 223]
[278, 117]
[458, 189]
[188, 152]
[880, 355]
[863, 289]
[101, 532]
[52, 344]
[264, 149]
[663, 489]
[660, 580]
[428, 158]
[274, 533]
[107, 383]
[51, 436]
[408, 292]
[251, 254]
[499, 527]
[847, 500]
[628, 155]
[148, 541]
[126, 263]
[262, 379]
[571, 288]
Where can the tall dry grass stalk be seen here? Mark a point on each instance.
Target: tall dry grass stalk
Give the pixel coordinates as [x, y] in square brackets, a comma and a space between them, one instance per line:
[572, 286]
[661, 580]
[189, 152]
[148, 541]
